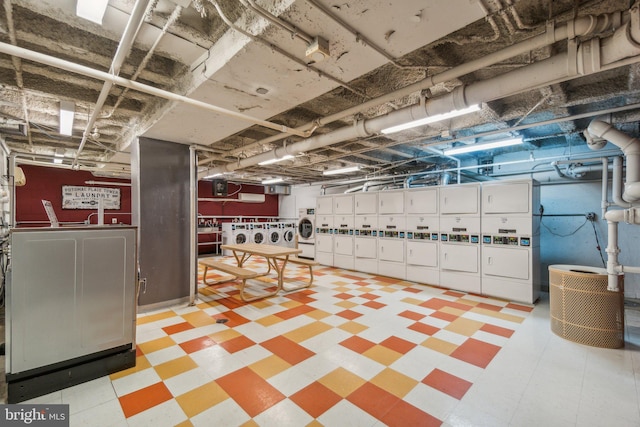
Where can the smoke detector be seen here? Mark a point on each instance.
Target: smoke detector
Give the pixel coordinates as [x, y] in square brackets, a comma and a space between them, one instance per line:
[318, 49]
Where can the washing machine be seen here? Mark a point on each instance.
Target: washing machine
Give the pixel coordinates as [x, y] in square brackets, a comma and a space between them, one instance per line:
[306, 233]
[258, 232]
[288, 234]
[235, 233]
[274, 233]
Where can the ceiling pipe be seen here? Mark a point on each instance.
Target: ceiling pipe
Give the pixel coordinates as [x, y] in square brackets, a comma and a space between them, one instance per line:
[294, 31]
[579, 27]
[630, 147]
[101, 75]
[126, 43]
[143, 64]
[577, 62]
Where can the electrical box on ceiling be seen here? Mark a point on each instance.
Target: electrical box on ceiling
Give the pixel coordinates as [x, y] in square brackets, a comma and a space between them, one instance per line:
[318, 49]
[277, 189]
[249, 197]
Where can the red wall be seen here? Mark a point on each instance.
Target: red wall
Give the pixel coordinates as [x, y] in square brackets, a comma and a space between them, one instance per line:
[46, 184]
[268, 208]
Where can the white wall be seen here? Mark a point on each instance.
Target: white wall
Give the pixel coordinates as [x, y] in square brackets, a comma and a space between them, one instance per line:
[580, 248]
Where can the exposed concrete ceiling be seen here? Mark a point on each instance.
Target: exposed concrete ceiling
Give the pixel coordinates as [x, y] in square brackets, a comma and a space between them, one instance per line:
[259, 67]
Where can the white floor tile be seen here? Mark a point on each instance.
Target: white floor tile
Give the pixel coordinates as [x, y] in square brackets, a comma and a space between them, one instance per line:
[345, 414]
[187, 381]
[136, 381]
[168, 413]
[440, 404]
[227, 413]
[106, 414]
[284, 413]
[88, 395]
[165, 355]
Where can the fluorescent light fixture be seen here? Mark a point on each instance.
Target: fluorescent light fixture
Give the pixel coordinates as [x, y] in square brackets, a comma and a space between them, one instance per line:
[67, 111]
[279, 159]
[272, 181]
[213, 176]
[481, 147]
[432, 119]
[92, 10]
[342, 170]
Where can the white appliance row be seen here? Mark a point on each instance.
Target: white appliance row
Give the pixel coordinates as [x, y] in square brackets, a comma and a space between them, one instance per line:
[475, 238]
[281, 233]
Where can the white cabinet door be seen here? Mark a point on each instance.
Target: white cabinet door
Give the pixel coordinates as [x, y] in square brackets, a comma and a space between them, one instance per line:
[423, 223]
[343, 204]
[365, 248]
[459, 257]
[422, 253]
[324, 221]
[366, 203]
[343, 245]
[506, 262]
[324, 243]
[343, 221]
[324, 205]
[366, 221]
[421, 201]
[460, 199]
[391, 202]
[391, 250]
[506, 198]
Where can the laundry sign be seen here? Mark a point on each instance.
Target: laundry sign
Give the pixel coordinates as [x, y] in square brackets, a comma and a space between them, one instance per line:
[76, 197]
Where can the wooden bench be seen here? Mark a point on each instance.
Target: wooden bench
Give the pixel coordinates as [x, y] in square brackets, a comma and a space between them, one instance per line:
[301, 261]
[236, 272]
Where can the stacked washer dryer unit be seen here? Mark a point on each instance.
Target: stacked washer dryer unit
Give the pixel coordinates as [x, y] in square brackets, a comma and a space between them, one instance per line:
[343, 231]
[306, 233]
[460, 237]
[324, 230]
[258, 232]
[510, 240]
[288, 234]
[365, 248]
[235, 233]
[423, 222]
[392, 234]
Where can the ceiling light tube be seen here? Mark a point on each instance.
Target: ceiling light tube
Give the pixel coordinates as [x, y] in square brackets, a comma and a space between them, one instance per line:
[272, 181]
[92, 10]
[432, 119]
[342, 170]
[277, 159]
[481, 147]
[67, 111]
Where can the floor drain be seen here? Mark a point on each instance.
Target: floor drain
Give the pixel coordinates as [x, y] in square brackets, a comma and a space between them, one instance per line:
[221, 320]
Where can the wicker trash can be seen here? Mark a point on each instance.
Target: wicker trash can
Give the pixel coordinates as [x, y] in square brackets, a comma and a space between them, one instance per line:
[582, 309]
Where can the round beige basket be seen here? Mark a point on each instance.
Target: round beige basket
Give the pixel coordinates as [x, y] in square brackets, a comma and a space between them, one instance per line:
[582, 309]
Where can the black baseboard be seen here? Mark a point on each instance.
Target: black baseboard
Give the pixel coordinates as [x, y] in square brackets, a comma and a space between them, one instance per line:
[41, 381]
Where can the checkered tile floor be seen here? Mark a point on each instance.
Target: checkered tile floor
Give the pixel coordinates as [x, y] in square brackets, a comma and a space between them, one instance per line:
[354, 349]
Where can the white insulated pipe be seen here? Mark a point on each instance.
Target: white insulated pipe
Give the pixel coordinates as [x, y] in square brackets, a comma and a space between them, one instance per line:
[630, 147]
[124, 47]
[614, 268]
[604, 204]
[579, 27]
[553, 70]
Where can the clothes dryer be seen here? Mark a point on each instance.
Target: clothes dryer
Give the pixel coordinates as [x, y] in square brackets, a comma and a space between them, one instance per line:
[274, 233]
[288, 234]
[235, 233]
[306, 233]
[258, 232]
